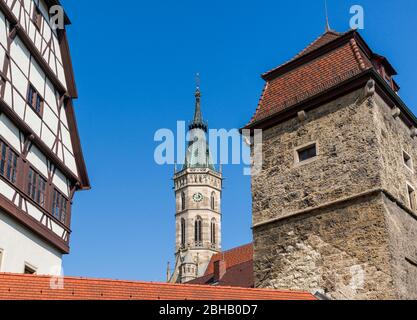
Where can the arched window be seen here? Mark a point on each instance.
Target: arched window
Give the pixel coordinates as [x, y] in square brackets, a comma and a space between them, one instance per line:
[182, 232]
[212, 200]
[197, 232]
[213, 231]
[182, 201]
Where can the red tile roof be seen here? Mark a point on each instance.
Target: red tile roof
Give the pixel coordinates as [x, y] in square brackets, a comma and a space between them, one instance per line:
[232, 257]
[239, 268]
[239, 275]
[33, 287]
[304, 77]
[319, 42]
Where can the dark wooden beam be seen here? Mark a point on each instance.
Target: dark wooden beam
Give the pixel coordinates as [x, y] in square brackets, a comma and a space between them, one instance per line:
[8, 207]
[32, 48]
[27, 130]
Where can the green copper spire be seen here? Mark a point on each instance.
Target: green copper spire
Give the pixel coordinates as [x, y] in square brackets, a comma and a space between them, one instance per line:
[198, 151]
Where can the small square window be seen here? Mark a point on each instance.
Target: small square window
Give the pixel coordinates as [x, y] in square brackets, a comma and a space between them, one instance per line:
[29, 269]
[411, 197]
[307, 153]
[407, 160]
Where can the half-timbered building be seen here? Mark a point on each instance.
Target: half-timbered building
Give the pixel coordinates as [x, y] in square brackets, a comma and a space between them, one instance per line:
[41, 161]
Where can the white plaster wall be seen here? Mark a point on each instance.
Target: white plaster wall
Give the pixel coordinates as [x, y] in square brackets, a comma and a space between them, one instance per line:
[24, 67]
[3, 32]
[9, 132]
[38, 160]
[60, 182]
[21, 246]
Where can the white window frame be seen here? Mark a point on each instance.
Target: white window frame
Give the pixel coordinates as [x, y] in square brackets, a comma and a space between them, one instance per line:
[297, 160]
[29, 266]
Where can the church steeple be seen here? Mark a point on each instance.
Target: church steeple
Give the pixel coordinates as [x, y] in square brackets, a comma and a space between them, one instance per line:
[198, 191]
[198, 150]
[198, 122]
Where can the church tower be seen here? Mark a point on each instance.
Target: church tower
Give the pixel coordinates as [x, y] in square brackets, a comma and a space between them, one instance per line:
[198, 188]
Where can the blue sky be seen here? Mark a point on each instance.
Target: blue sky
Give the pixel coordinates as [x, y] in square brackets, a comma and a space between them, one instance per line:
[135, 65]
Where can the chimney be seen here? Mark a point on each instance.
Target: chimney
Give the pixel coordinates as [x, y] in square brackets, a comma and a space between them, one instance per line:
[219, 269]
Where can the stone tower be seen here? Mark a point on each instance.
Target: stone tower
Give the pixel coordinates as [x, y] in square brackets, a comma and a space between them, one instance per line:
[334, 206]
[198, 190]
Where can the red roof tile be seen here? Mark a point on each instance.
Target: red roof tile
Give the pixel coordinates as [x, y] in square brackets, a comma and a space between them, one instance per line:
[319, 42]
[239, 268]
[33, 287]
[232, 257]
[239, 275]
[312, 76]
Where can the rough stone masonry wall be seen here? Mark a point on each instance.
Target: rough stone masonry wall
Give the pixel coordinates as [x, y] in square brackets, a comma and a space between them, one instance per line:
[360, 148]
[394, 137]
[402, 232]
[347, 161]
[341, 251]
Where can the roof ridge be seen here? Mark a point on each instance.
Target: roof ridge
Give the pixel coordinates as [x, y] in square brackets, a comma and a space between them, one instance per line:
[215, 288]
[309, 48]
[235, 248]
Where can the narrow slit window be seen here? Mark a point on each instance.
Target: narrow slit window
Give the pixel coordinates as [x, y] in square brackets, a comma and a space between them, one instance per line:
[213, 232]
[182, 201]
[411, 197]
[407, 160]
[183, 233]
[307, 153]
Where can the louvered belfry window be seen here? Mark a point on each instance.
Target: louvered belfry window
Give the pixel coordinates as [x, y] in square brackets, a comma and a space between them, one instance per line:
[198, 232]
[182, 232]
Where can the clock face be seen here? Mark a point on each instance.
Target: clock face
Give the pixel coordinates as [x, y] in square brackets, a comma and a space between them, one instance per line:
[197, 197]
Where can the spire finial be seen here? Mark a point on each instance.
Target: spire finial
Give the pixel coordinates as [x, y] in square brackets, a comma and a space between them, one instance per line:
[197, 81]
[197, 87]
[198, 118]
[327, 17]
